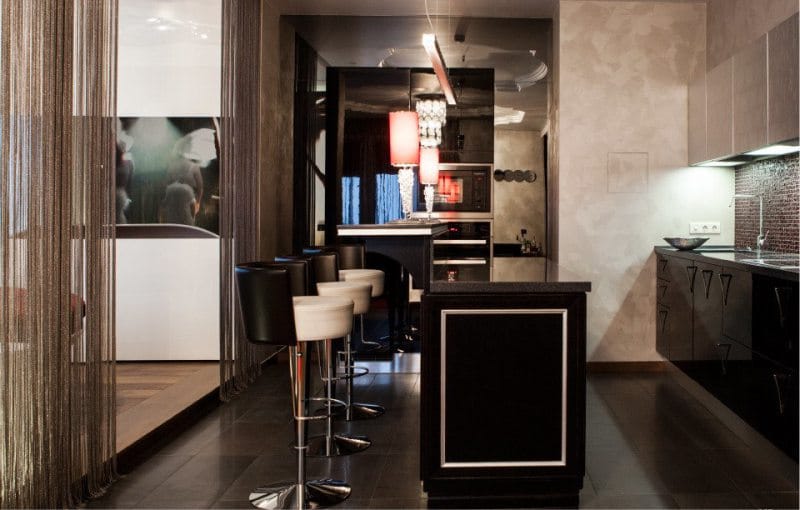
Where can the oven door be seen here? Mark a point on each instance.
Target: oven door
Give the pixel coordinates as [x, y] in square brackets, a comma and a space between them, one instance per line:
[467, 269]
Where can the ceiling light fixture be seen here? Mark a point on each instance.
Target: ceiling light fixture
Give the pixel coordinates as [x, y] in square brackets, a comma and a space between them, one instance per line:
[439, 67]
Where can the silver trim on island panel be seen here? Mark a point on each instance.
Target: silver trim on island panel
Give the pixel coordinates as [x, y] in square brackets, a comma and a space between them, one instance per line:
[442, 399]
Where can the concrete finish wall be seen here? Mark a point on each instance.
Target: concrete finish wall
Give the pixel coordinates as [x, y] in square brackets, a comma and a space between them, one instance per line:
[276, 144]
[623, 183]
[732, 24]
[519, 205]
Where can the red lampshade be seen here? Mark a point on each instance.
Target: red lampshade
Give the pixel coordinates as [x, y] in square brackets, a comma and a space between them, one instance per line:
[404, 138]
[429, 165]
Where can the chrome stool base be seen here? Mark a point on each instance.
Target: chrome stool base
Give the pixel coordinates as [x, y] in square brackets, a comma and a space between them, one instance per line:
[340, 444]
[316, 494]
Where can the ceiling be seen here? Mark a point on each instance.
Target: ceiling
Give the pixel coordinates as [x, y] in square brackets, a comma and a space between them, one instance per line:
[503, 44]
[469, 8]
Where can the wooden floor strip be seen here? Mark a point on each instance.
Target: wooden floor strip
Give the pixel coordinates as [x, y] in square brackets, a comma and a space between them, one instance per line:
[149, 394]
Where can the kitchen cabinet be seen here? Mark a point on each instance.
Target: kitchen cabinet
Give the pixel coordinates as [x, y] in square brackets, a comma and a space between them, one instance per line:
[736, 293]
[748, 101]
[719, 110]
[750, 97]
[707, 315]
[740, 337]
[674, 298]
[697, 119]
[783, 115]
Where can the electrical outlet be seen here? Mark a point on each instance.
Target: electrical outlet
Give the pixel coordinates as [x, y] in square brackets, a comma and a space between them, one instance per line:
[704, 227]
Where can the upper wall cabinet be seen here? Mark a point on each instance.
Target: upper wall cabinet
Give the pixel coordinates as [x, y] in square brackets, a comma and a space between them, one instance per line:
[783, 82]
[719, 110]
[750, 97]
[697, 118]
[748, 101]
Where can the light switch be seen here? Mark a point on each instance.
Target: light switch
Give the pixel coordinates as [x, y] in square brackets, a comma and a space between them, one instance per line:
[704, 227]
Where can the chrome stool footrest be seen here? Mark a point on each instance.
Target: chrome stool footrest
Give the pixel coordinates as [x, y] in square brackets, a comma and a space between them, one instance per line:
[317, 415]
[315, 494]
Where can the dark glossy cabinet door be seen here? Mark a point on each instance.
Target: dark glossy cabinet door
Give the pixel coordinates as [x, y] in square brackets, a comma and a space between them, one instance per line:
[775, 328]
[707, 317]
[736, 290]
[680, 294]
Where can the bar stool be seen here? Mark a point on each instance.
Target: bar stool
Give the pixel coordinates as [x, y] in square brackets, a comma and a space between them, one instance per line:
[272, 316]
[332, 444]
[327, 273]
[353, 267]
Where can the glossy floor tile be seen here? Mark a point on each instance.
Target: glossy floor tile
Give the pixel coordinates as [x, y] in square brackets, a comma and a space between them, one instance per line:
[650, 444]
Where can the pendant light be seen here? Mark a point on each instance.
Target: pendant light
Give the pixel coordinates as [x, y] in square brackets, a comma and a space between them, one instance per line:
[404, 153]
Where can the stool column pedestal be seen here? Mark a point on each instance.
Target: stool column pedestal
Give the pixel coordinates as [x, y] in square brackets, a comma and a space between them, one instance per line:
[301, 493]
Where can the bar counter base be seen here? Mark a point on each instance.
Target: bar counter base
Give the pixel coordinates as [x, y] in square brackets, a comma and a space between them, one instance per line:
[514, 493]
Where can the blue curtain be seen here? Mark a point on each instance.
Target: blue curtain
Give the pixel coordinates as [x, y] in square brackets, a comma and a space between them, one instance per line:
[351, 200]
[387, 198]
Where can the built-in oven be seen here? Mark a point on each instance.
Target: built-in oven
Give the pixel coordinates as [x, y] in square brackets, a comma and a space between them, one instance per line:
[462, 188]
[464, 253]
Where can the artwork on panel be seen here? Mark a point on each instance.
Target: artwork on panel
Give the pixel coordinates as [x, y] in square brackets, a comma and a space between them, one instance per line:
[168, 171]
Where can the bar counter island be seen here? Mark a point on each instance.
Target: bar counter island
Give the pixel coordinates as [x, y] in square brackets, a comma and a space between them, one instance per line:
[503, 382]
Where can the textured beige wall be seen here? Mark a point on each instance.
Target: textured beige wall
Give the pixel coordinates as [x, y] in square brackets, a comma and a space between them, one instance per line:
[732, 24]
[624, 69]
[276, 152]
[519, 204]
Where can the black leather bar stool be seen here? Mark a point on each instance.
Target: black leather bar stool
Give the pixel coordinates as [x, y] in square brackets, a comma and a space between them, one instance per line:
[327, 274]
[269, 312]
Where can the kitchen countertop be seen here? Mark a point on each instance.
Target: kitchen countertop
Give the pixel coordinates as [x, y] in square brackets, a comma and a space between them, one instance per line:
[727, 256]
[553, 279]
[399, 228]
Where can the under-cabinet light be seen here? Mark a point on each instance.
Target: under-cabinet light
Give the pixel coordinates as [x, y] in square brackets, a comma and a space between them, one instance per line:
[723, 163]
[774, 150]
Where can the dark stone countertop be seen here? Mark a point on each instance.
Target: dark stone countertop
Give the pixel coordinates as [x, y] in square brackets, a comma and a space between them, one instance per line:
[554, 280]
[730, 257]
[393, 228]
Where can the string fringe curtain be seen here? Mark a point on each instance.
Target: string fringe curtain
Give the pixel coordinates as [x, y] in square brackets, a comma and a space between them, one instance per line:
[57, 121]
[239, 135]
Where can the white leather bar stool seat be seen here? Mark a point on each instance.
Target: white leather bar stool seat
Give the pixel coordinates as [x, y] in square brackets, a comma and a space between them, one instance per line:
[373, 276]
[358, 291]
[322, 317]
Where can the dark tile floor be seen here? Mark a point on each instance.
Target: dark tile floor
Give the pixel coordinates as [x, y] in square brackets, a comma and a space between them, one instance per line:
[650, 444]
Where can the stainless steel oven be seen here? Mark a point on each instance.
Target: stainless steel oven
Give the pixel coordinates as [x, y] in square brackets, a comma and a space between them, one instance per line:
[462, 188]
[464, 253]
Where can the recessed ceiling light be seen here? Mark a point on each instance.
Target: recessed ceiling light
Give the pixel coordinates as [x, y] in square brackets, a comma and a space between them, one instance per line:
[723, 163]
[774, 150]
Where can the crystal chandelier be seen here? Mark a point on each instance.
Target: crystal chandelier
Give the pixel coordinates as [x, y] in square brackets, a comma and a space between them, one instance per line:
[432, 117]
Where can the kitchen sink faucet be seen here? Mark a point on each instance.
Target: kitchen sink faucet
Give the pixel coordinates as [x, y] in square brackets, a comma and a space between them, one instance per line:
[762, 237]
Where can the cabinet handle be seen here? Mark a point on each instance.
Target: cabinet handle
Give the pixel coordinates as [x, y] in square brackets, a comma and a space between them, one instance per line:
[663, 261]
[726, 349]
[783, 296]
[691, 271]
[780, 380]
[725, 283]
[662, 290]
[707, 275]
[663, 315]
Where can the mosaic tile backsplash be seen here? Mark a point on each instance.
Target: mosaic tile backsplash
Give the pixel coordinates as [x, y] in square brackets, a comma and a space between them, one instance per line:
[778, 181]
